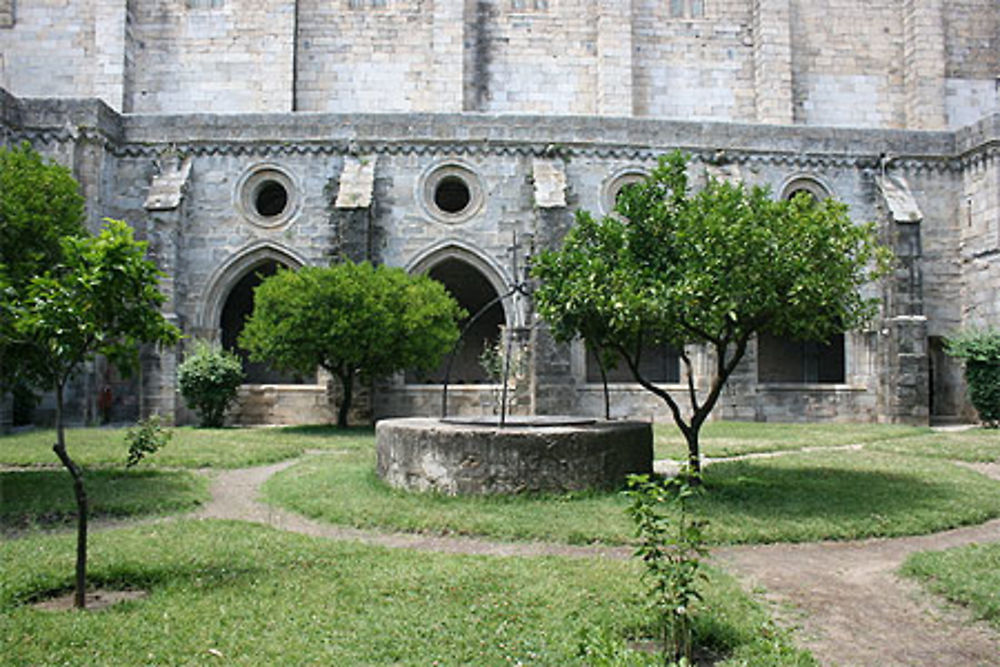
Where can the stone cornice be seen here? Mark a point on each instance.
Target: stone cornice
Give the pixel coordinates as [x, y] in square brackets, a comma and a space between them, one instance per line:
[49, 121]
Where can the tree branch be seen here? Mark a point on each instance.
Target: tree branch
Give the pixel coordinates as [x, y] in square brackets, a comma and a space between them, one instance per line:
[690, 380]
[649, 386]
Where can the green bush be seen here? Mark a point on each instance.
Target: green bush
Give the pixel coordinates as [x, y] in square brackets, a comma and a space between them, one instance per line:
[980, 349]
[209, 380]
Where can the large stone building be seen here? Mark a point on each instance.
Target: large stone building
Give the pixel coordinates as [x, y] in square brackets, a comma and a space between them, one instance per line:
[242, 135]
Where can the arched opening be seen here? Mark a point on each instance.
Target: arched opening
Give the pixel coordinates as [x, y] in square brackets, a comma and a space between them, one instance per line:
[473, 291]
[235, 311]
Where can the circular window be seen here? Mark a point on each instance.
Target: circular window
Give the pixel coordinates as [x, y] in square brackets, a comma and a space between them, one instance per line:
[614, 184]
[267, 196]
[806, 185]
[271, 199]
[452, 193]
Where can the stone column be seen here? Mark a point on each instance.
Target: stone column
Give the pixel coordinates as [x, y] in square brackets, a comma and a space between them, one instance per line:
[165, 204]
[904, 356]
[772, 61]
[353, 210]
[924, 59]
[552, 384]
[614, 58]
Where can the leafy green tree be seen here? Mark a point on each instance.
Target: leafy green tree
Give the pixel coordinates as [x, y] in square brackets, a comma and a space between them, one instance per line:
[354, 320]
[40, 204]
[209, 380]
[980, 350]
[102, 298]
[712, 267]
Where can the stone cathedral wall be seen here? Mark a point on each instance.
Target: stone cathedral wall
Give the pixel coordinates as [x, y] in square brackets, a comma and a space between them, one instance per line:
[847, 95]
[921, 64]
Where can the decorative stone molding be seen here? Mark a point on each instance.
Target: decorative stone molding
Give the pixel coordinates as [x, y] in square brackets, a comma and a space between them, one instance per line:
[549, 177]
[168, 186]
[356, 182]
[899, 198]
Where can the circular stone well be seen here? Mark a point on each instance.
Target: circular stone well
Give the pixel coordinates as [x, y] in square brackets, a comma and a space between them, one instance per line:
[477, 457]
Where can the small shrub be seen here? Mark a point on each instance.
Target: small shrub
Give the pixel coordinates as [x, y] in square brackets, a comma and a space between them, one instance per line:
[209, 380]
[499, 366]
[671, 546]
[146, 437]
[980, 349]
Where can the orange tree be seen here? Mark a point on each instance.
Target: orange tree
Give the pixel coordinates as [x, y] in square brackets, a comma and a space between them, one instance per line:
[354, 320]
[101, 297]
[713, 267]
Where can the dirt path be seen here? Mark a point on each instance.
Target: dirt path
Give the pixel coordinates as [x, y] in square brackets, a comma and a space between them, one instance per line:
[234, 496]
[850, 606]
[854, 610]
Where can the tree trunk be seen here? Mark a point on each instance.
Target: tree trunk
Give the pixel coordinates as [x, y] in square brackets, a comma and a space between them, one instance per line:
[694, 455]
[59, 448]
[347, 383]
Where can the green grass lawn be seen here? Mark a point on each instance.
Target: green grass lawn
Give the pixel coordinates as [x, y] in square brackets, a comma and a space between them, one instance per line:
[973, 445]
[45, 497]
[967, 575]
[727, 438]
[245, 594]
[188, 448]
[795, 497]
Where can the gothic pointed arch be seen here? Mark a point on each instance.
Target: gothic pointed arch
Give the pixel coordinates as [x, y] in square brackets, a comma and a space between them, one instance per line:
[476, 283]
[229, 303]
[242, 262]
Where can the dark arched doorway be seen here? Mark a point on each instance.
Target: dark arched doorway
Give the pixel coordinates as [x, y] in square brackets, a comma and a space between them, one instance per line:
[473, 291]
[237, 308]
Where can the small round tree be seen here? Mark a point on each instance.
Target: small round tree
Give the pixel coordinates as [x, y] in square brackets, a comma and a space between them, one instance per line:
[980, 350]
[354, 320]
[209, 381]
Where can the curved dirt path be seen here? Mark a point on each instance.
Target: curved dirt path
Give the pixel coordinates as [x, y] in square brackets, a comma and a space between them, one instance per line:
[234, 496]
[849, 605]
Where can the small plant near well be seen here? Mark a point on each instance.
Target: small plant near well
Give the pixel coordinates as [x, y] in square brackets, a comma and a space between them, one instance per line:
[500, 360]
[209, 380]
[147, 437]
[980, 350]
[671, 546]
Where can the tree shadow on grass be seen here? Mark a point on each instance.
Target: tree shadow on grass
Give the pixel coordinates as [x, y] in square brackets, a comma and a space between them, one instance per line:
[755, 501]
[44, 497]
[117, 577]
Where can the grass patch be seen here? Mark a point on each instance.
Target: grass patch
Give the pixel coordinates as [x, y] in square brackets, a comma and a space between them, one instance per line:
[252, 595]
[344, 489]
[841, 495]
[791, 498]
[730, 438]
[43, 497]
[189, 447]
[967, 575]
[976, 445]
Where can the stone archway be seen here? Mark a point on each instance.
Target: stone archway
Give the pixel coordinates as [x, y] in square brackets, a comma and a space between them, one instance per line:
[237, 307]
[473, 283]
[230, 302]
